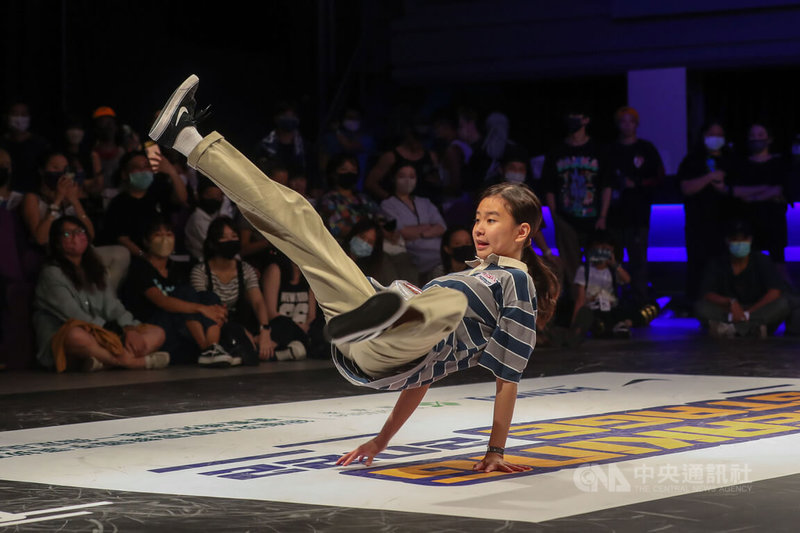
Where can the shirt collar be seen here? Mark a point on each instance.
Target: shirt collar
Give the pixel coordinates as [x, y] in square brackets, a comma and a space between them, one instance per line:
[499, 260]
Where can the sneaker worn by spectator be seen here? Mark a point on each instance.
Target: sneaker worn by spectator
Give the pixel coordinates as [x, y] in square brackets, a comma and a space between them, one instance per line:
[156, 360]
[215, 356]
[721, 330]
[293, 352]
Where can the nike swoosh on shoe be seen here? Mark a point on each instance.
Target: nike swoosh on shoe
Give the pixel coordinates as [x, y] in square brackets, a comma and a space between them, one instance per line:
[180, 114]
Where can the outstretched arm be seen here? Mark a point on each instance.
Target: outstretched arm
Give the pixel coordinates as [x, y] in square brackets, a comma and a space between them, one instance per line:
[504, 402]
[406, 404]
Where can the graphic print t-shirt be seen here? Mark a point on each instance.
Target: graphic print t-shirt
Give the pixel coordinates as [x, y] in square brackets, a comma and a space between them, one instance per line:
[574, 175]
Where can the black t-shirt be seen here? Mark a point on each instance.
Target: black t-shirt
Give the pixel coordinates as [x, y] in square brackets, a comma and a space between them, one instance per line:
[749, 286]
[773, 171]
[127, 216]
[641, 163]
[708, 205]
[141, 276]
[576, 176]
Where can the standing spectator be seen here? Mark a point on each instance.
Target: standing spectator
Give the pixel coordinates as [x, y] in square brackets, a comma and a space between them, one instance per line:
[145, 194]
[25, 148]
[576, 192]
[79, 322]
[412, 152]
[83, 161]
[760, 189]
[236, 284]
[284, 144]
[704, 176]
[455, 155]
[343, 207]
[635, 170]
[742, 290]
[157, 291]
[106, 145]
[418, 221]
[347, 137]
[495, 145]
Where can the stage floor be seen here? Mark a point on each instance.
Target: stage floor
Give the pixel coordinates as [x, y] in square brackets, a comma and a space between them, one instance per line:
[668, 431]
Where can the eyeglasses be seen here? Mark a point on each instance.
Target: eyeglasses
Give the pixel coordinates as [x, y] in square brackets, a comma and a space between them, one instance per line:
[74, 233]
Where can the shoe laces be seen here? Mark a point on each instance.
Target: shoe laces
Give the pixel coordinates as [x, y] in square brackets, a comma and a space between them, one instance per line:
[202, 115]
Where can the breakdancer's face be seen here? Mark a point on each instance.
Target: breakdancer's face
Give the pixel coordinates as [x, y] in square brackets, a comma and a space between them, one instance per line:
[496, 232]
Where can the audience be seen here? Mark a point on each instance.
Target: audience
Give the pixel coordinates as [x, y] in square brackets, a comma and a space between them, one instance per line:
[228, 312]
[157, 291]
[80, 323]
[742, 293]
[236, 284]
[418, 221]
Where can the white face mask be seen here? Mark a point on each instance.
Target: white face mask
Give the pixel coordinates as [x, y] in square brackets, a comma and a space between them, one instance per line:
[406, 185]
[714, 142]
[19, 122]
[515, 177]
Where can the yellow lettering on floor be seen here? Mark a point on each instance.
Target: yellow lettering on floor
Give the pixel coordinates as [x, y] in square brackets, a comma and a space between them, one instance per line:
[690, 412]
[620, 421]
[558, 430]
[732, 428]
[777, 418]
[776, 397]
[426, 470]
[604, 446]
[751, 406]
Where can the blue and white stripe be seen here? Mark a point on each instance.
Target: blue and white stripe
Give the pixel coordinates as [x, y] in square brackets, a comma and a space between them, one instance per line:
[498, 331]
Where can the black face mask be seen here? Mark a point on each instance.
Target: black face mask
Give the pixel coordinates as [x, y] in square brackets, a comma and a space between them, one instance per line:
[347, 180]
[209, 205]
[5, 176]
[51, 179]
[573, 124]
[462, 254]
[757, 145]
[229, 249]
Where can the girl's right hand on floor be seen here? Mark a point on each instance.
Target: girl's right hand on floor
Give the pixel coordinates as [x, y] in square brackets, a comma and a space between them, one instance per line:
[363, 454]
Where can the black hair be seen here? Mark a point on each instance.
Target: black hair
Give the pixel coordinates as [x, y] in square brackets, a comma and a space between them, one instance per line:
[338, 160]
[124, 162]
[155, 223]
[738, 227]
[91, 271]
[203, 183]
[446, 242]
[601, 236]
[525, 207]
[214, 234]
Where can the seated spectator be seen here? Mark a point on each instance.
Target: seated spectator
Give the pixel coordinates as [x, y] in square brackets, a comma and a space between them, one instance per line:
[343, 207]
[209, 205]
[284, 144]
[291, 308]
[457, 248]
[83, 161]
[157, 291]
[760, 188]
[236, 284]
[364, 244]
[395, 250]
[597, 307]
[57, 194]
[742, 292]
[144, 195]
[25, 148]
[514, 166]
[410, 151]
[79, 322]
[298, 182]
[418, 221]
[455, 154]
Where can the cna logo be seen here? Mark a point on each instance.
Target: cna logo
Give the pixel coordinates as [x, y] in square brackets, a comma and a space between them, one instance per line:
[591, 478]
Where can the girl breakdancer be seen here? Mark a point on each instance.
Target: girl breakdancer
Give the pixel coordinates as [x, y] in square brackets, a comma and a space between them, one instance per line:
[400, 337]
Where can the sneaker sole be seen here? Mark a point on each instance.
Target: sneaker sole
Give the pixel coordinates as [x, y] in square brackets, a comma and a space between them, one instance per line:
[162, 122]
[367, 320]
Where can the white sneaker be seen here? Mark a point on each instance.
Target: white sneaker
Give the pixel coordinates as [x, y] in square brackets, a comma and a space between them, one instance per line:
[721, 330]
[156, 360]
[294, 351]
[92, 365]
[215, 356]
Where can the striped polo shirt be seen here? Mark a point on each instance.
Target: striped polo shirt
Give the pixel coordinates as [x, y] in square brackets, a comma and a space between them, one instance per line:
[498, 331]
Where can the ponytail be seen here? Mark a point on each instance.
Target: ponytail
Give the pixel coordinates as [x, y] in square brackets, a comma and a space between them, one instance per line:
[547, 285]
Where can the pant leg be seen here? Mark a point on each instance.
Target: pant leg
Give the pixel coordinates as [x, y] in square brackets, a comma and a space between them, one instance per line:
[773, 313]
[706, 311]
[569, 249]
[288, 221]
[442, 310]
[636, 243]
[116, 259]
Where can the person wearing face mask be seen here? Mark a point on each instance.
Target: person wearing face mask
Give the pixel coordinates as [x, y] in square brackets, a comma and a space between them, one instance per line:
[457, 248]
[418, 220]
[635, 170]
[343, 206]
[145, 194]
[25, 147]
[82, 159]
[107, 144]
[246, 330]
[411, 151]
[704, 177]
[285, 143]
[80, 324]
[58, 195]
[157, 291]
[209, 206]
[742, 291]
[365, 244]
[347, 137]
[759, 189]
[576, 191]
